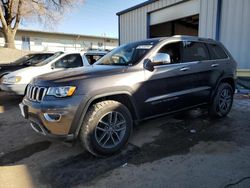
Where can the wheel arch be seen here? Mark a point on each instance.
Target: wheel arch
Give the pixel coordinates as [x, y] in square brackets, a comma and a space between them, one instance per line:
[3, 74]
[123, 97]
[229, 80]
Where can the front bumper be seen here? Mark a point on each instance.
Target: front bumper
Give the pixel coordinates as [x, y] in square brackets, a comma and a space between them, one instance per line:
[18, 89]
[62, 111]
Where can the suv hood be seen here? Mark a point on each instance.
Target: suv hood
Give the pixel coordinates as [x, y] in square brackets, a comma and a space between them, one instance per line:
[80, 73]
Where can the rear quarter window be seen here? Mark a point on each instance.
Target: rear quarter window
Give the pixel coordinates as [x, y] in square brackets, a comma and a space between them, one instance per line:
[93, 58]
[216, 52]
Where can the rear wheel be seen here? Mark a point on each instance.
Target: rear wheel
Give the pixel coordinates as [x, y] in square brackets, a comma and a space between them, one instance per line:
[106, 128]
[222, 101]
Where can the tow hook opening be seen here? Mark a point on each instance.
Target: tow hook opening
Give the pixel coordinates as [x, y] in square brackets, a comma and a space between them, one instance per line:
[37, 128]
[52, 117]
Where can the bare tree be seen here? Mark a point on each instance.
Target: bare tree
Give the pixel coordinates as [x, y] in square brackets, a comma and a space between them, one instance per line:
[12, 12]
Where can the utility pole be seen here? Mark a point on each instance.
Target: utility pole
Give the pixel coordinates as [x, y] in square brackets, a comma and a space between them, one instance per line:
[78, 37]
[104, 44]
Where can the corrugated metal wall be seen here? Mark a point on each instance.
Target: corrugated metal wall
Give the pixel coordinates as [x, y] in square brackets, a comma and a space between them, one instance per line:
[234, 25]
[235, 30]
[133, 25]
[207, 22]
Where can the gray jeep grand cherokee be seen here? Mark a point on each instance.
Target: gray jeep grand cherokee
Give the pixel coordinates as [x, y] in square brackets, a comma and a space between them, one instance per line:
[99, 104]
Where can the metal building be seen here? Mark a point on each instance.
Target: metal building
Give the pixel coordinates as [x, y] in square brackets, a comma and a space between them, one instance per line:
[225, 20]
[32, 40]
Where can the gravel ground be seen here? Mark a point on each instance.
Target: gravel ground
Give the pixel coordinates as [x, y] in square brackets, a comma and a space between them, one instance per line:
[187, 150]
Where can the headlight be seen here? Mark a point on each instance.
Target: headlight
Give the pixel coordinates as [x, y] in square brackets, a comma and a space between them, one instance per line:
[12, 80]
[65, 91]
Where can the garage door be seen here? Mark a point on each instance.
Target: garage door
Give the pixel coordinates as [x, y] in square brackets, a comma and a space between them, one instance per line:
[175, 12]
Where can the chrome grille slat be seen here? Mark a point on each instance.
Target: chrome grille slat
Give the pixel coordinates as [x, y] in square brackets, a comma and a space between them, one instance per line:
[29, 91]
[44, 92]
[35, 93]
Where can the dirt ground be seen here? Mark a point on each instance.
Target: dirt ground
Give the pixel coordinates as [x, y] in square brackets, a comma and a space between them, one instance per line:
[187, 150]
[5, 56]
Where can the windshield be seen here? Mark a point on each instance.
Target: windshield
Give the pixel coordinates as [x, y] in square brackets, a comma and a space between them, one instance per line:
[46, 61]
[129, 54]
[23, 59]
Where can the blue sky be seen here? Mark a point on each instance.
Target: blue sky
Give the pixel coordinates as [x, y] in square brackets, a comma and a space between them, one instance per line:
[94, 17]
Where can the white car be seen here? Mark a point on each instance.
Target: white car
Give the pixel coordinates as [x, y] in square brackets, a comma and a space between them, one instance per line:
[94, 55]
[18, 80]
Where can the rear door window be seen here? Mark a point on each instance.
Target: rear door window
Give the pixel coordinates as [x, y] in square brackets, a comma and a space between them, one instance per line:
[93, 58]
[69, 61]
[195, 51]
[216, 52]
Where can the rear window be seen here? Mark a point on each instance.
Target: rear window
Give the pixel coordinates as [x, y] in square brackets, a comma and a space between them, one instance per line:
[195, 51]
[216, 52]
[93, 58]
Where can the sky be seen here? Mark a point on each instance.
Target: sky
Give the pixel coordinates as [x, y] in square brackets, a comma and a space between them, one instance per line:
[93, 17]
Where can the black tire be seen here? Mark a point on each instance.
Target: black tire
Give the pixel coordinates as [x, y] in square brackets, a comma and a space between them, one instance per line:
[222, 103]
[95, 126]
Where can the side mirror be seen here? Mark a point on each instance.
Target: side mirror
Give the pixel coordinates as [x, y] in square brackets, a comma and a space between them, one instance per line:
[161, 58]
[148, 65]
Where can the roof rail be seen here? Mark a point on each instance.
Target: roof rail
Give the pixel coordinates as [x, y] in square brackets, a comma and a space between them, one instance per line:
[193, 37]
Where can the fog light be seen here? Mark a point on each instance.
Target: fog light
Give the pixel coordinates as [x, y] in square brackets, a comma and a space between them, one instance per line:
[52, 117]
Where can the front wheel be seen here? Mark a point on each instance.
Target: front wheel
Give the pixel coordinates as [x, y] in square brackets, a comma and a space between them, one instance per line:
[222, 101]
[106, 128]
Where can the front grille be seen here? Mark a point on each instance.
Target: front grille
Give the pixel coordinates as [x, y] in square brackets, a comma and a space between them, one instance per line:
[35, 93]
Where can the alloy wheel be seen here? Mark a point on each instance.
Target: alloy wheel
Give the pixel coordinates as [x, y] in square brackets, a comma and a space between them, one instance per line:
[110, 130]
[225, 100]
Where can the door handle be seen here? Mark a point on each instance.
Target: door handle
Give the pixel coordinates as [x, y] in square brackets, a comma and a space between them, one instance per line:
[184, 69]
[215, 65]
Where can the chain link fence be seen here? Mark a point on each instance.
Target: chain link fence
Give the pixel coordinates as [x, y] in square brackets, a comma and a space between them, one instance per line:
[9, 55]
[51, 47]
